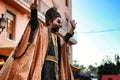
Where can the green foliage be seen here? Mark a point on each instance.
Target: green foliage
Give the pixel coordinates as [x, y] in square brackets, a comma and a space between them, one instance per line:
[109, 67]
[89, 71]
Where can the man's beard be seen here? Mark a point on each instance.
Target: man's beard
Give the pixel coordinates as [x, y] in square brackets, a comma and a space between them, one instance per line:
[56, 29]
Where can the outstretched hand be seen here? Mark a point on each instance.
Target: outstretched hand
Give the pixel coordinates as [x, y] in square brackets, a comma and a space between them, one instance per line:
[73, 24]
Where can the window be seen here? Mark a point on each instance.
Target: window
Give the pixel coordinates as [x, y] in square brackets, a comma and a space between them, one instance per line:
[66, 2]
[67, 23]
[10, 25]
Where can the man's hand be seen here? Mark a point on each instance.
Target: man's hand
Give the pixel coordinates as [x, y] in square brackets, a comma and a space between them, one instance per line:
[73, 24]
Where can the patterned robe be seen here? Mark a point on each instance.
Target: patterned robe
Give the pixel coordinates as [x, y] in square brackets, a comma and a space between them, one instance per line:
[30, 58]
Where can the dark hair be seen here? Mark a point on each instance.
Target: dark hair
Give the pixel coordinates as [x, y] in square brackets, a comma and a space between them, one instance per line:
[51, 14]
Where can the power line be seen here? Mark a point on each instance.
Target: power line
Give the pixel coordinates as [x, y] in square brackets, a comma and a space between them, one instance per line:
[100, 31]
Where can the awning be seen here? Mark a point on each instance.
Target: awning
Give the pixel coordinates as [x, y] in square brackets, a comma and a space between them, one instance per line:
[75, 69]
[110, 77]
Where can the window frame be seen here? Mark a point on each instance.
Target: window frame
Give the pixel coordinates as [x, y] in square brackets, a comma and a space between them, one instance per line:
[13, 28]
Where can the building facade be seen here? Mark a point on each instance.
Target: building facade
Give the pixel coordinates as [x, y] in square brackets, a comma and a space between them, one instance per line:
[17, 15]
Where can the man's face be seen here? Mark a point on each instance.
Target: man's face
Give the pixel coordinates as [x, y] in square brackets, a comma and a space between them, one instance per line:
[56, 24]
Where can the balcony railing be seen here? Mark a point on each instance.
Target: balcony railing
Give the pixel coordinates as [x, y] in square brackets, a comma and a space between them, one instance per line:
[28, 1]
[42, 6]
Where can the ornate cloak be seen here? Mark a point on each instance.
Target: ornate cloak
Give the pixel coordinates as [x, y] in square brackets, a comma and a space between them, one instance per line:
[30, 58]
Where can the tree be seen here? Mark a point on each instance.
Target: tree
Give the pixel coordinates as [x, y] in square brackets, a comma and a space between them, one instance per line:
[109, 67]
[75, 64]
[86, 72]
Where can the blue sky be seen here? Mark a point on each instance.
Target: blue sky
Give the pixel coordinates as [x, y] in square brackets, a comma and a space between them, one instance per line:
[97, 31]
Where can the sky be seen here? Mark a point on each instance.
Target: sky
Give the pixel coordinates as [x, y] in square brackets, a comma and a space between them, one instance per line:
[97, 31]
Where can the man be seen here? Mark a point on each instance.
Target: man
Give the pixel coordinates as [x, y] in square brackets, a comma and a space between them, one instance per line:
[37, 56]
[52, 65]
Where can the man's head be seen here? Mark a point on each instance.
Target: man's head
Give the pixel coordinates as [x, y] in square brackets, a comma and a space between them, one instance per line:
[53, 19]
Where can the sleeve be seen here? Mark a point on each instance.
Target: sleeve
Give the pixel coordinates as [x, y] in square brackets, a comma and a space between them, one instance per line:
[68, 35]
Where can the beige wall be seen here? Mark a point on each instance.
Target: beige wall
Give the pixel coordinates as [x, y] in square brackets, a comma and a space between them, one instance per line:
[21, 21]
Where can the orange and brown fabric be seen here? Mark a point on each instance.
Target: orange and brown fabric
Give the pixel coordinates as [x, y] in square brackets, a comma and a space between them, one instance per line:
[29, 65]
[66, 72]
[30, 58]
